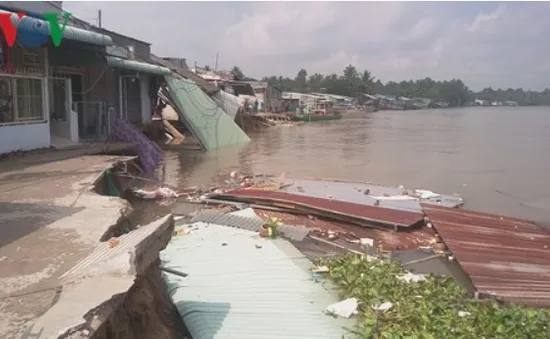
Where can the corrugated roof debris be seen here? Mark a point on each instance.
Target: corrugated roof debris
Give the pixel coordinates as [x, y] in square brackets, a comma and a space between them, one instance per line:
[205, 119]
[385, 240]
[245, 220]
[186, 73]
[366, 193]
[507, 258]
[360, 214]
[242, 286]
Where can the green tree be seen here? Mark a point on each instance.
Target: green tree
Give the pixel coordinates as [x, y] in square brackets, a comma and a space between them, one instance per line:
[352, 83]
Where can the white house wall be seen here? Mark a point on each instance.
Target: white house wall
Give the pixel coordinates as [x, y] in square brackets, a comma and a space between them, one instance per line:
[24, 137]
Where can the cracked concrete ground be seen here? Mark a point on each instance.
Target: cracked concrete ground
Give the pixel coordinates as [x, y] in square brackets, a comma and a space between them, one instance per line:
[49, 221]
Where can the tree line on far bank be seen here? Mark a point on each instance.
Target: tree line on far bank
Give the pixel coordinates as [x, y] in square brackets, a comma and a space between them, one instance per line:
[352, 83]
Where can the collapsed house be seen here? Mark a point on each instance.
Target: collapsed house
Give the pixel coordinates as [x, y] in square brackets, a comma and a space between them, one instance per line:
[189, 97]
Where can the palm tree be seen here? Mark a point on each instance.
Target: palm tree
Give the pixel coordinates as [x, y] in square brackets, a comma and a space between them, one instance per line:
[367, 77]
[351, 74]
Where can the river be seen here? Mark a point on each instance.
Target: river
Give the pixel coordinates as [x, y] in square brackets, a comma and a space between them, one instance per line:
[496, 158]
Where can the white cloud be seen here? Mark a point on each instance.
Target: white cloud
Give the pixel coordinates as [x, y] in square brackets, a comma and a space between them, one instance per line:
[484, 44]
[483, 19]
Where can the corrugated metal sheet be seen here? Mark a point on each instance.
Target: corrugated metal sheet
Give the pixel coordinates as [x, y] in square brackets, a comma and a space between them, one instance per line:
[228, 102]
[209, 88]
[127, 243]
[137, 66]
[387, 240]
[389, 197]
[251, 224]
[354, 193]
[245, 292]
[504, 257]
[209, 123]
[30, 24]
[353, 212]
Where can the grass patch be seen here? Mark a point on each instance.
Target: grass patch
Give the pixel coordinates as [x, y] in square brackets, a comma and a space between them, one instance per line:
[428, 309]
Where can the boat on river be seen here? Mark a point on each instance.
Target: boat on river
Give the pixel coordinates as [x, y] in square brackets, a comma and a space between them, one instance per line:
[316, 117]
[323, 111]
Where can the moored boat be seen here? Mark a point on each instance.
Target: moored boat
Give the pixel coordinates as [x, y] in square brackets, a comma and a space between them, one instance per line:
[323, 111]
[316, 117]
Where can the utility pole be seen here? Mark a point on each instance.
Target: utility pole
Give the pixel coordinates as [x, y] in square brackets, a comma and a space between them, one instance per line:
[217, 56]
[99, 17]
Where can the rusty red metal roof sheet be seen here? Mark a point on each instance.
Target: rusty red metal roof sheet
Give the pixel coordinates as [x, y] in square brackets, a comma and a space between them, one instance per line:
[386, 239]
[347, 211]
[507, 258]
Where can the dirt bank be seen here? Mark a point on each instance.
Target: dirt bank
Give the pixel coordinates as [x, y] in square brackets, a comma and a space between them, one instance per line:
[146, 312]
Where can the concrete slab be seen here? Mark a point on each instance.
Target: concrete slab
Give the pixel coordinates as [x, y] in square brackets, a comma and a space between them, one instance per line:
[49, 220]
[94, 288]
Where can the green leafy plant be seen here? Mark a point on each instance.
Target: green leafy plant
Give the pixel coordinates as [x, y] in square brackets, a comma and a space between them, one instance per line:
[436, 308]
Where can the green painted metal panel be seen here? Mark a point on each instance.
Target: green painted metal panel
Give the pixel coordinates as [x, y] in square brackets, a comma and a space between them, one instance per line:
[89, 37]
[137, 66]
[208, 122]
[242, 286]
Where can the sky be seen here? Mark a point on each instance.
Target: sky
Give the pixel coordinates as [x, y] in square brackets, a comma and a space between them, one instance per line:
[498, 44]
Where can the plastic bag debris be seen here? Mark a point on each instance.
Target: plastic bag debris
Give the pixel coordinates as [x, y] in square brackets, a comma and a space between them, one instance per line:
[367, 242]
[411, 277]
[159, 193]
[384, 306]
[320, 269]
[345, 308]
[426, 194]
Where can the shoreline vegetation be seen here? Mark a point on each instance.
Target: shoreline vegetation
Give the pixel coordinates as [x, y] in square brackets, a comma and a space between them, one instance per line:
[352, 83]
[430, 309]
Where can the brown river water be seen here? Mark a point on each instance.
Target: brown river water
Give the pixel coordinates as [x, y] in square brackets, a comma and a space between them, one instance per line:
[497, 159]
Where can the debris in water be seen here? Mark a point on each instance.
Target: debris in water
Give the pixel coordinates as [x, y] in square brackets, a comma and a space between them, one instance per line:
[159, 193]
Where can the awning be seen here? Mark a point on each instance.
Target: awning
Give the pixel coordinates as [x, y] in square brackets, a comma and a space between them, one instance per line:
[137, 66]
[33, 25]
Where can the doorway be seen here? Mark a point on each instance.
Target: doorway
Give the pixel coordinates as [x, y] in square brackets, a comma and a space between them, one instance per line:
[130, 98]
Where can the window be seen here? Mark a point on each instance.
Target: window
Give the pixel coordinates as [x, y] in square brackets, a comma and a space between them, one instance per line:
[6, 100]
[20, 100]
[29, 99]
